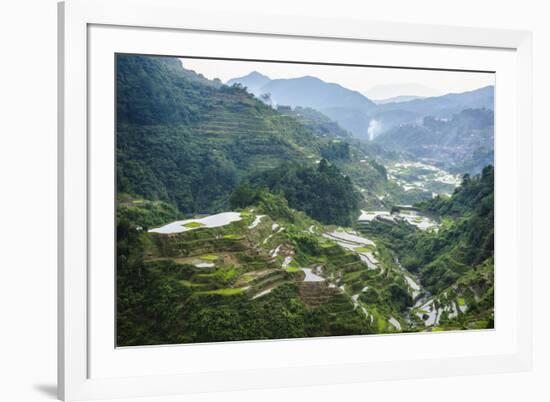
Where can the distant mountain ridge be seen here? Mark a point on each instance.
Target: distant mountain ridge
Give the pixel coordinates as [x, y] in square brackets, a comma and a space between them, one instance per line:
[397, 99]
[396, 89]
[446, 104]
[347, 107]
[395, 114]
[253, 81]
[354, 111]
[189, 141]
[306, 91]
[463, 143]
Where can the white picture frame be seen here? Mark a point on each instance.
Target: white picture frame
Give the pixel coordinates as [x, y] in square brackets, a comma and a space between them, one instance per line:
[79, 377]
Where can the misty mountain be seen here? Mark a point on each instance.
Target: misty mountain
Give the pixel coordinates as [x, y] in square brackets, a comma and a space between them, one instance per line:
[188, 141]
[463, 143]
[387, 91]
[397, 99]
[357, 113]
[389, 115]
[446, 105]
[253, 81]
[316, 121]
[347, 107]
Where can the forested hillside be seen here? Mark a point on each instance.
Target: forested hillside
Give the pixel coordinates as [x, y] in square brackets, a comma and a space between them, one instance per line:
[235, 282]
[463, 245]
[322, 192]
[189, 141]
[457, 261]
[347, 107]
[201, 141]
[242, 217]
[356, 113]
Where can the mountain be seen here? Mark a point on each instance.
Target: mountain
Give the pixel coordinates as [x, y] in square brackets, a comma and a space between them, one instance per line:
[241, 218]
[466, 244]
[316, 121]
[397, 99]
[386, 91]
[253, 81]
[312, 92]
[189, 141]
[389, 115]
[355, 112]
[271, 272]
[446, 105]
[304, 91]
[463, 144]
[347, 107]
[245, 279]
[454, 264]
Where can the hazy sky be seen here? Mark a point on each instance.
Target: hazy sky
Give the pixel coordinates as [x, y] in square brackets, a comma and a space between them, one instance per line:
[374, 82]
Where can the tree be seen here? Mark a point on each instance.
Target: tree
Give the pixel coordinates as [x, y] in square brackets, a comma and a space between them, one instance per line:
[323, 193]
[243, 196]
[266, 98]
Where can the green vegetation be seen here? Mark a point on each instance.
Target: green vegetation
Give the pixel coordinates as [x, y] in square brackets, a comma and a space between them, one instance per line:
[193, 225]
[364, 249]
[223, 292]
[209, 257]
[217, 303]
[462, 143]
[144, 213]
[316, 122]
[457, 259]
[336, 150]
[232, 236]
[193, 141]
[323, 192]
[187, 141]
[188, 146]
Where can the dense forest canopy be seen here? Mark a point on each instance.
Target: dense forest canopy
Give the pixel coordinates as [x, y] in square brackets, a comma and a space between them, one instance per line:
[461, 245]
[323, 193]
[206, 138]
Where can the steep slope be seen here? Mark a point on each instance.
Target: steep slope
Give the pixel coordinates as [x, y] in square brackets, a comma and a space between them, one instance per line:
[253, 81]
[188, 141]
[234, 218]
[347, 107]
[316, 122]
[323, 193]
[455, 264]
[269, 272]
[312, 92]
[354, 111]
[304, 91]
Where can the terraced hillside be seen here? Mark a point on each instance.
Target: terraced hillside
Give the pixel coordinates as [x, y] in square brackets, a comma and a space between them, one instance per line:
[453, 261]
[223, 270]
[190, 141]
[237, 220]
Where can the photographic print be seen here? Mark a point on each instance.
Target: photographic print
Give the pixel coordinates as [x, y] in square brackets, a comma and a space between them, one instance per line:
[272, 200]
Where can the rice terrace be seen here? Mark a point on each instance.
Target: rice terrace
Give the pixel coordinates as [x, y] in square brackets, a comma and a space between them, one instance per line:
[257, 202]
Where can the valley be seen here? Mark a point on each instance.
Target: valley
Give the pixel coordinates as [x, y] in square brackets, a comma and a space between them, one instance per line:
[238, 219]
